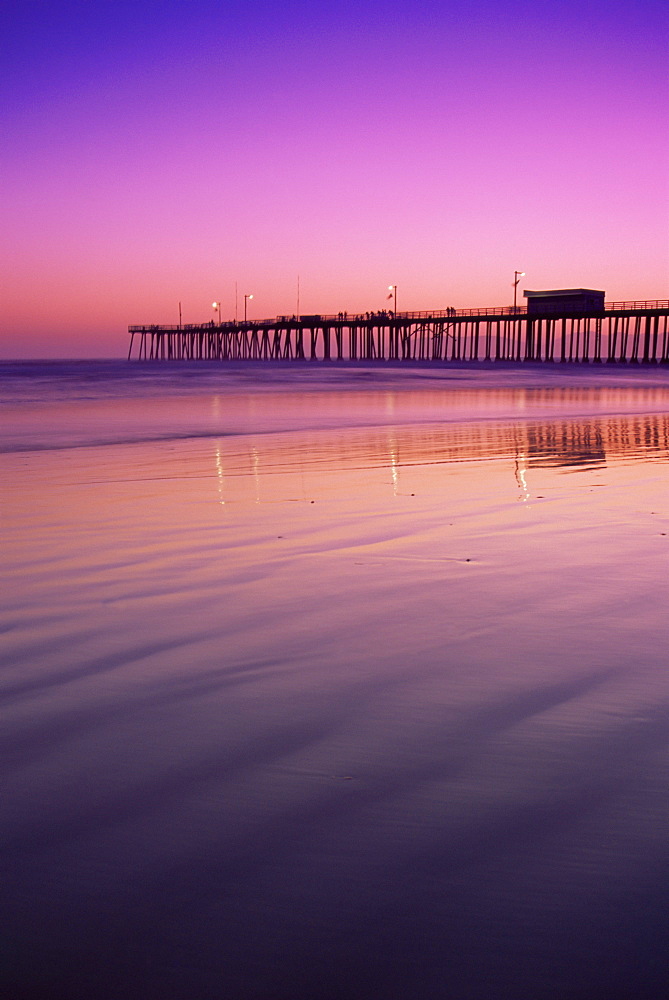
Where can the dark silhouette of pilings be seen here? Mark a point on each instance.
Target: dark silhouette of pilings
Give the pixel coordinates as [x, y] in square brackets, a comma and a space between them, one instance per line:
[614, 336]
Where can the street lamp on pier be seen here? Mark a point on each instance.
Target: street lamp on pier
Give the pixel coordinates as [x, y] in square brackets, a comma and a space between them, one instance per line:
[217, 307]
[517, 275]
[246, 298]
[393, 292]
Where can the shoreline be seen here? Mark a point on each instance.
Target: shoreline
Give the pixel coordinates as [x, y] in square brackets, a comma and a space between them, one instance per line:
[83, 403]
[581, 371]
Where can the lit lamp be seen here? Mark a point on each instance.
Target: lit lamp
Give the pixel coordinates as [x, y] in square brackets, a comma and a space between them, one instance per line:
[246, 298]
[517, 275]
[393, 292]
[217, 306]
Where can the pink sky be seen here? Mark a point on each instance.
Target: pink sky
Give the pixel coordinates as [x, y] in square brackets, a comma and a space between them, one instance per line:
[168, 153]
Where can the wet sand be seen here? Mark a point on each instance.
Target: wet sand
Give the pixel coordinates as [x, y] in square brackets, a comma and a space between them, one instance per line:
[370, 703]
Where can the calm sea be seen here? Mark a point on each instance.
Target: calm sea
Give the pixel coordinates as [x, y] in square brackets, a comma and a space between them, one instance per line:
[334, 682]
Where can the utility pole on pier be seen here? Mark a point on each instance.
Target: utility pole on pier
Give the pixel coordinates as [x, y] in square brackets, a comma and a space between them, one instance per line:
[517, 275]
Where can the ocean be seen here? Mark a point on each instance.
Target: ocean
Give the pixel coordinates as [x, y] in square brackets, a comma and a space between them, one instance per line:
[334, 681]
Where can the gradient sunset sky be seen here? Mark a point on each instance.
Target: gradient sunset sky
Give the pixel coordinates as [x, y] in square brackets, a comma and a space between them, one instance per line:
[157, 152]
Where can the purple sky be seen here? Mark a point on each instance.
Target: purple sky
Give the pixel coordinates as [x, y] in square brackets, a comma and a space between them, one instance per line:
[159, 152]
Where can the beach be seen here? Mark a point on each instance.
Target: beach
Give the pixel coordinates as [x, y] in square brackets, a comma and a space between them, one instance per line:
[334, 682]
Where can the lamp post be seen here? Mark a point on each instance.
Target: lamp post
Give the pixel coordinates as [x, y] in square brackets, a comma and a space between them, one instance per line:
[393, 290]
[246, 298]
[217, 307]
[517, 275]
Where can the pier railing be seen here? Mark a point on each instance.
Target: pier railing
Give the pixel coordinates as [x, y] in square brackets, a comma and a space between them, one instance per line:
[416, 314]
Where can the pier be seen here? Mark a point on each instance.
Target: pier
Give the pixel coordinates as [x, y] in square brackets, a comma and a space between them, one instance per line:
[620, 332]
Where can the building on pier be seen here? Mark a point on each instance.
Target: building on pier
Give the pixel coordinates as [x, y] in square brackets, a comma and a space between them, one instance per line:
[565, 300]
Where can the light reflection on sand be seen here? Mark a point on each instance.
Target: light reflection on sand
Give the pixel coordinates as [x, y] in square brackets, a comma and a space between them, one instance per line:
[563, 443]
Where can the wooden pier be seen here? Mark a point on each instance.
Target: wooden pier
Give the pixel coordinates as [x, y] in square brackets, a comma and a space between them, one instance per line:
[623, 332]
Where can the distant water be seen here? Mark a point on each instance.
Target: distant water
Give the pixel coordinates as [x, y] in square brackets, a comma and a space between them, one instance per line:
[334, 682]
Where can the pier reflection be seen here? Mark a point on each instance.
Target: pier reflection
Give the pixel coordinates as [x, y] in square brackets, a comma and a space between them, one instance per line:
[560, 444]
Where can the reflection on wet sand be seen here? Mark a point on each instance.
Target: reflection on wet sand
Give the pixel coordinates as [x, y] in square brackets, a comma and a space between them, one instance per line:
[560, 443]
